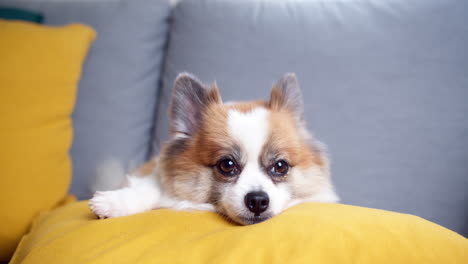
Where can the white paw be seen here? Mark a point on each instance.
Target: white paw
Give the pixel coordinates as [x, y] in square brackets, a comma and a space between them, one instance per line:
[108, 204]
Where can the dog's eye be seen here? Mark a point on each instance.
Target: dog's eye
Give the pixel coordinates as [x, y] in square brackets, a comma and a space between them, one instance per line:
[280, 168]
[228, 167]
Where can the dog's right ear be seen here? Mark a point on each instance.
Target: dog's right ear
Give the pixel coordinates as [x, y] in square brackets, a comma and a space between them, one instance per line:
[286, 94]
[189, 99]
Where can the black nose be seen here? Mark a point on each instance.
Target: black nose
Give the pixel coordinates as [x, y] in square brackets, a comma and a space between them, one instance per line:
[257, 202]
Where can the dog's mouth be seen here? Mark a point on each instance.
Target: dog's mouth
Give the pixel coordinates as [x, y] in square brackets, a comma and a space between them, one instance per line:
[244, 218]
[252, 219]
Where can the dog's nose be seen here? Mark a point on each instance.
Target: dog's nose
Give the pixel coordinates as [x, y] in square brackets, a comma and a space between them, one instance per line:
[257, 202]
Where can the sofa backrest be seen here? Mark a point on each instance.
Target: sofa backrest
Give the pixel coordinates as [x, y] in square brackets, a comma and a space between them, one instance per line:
[385, 85]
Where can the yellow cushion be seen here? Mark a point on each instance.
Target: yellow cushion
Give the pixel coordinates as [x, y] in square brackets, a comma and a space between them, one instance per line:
[307, 233]
[39, 70]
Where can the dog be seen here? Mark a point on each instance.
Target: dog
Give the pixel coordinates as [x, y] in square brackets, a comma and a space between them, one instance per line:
[247, 161]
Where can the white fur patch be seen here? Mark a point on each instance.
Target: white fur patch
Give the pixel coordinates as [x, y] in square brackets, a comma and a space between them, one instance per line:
[139, 195]
[251, 130]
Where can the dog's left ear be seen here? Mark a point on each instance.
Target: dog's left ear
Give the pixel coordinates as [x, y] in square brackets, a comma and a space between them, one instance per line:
[286, 94]
[190, 97]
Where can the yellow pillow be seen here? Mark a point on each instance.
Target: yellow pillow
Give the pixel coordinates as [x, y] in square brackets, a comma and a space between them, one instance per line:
[307, 233]
[39, 71]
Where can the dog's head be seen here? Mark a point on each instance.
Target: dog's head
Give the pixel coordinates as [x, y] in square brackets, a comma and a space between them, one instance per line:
[251, 160]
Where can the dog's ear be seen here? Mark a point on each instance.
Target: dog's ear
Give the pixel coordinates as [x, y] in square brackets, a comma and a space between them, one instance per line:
[189, 99]
[286, 94]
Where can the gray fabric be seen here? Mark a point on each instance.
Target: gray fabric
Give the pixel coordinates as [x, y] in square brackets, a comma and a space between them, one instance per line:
[116, 99]
[385, 85]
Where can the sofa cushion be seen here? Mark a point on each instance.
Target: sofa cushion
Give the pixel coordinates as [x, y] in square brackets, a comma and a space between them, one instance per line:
[308, 233]
[114, 113]
[385, 86]
[39, 72]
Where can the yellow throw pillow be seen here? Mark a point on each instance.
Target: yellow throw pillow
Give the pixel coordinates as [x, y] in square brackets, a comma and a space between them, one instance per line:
[307, 233]
[39, 71]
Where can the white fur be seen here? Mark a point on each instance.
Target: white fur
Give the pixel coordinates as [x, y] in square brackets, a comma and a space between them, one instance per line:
[326, 192]
[326, 195]
[251, 131]
[140, 194]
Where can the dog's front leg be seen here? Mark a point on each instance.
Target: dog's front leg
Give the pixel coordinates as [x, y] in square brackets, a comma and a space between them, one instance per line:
[140, 194]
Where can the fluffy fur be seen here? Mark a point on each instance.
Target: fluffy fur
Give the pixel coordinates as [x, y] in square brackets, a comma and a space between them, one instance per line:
[258, 137]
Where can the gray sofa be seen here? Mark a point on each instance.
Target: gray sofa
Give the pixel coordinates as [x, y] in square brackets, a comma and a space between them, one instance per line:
[385, 85]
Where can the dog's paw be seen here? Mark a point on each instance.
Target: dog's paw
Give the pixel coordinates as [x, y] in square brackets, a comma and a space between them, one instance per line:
[107, 204]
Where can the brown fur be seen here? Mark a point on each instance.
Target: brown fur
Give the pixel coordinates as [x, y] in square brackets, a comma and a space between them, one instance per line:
[286, 137]
[228, 156]
[276, 99]
[191, 175]
[245, 107]
[146, 169]
[188, 164]
[188, 175]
